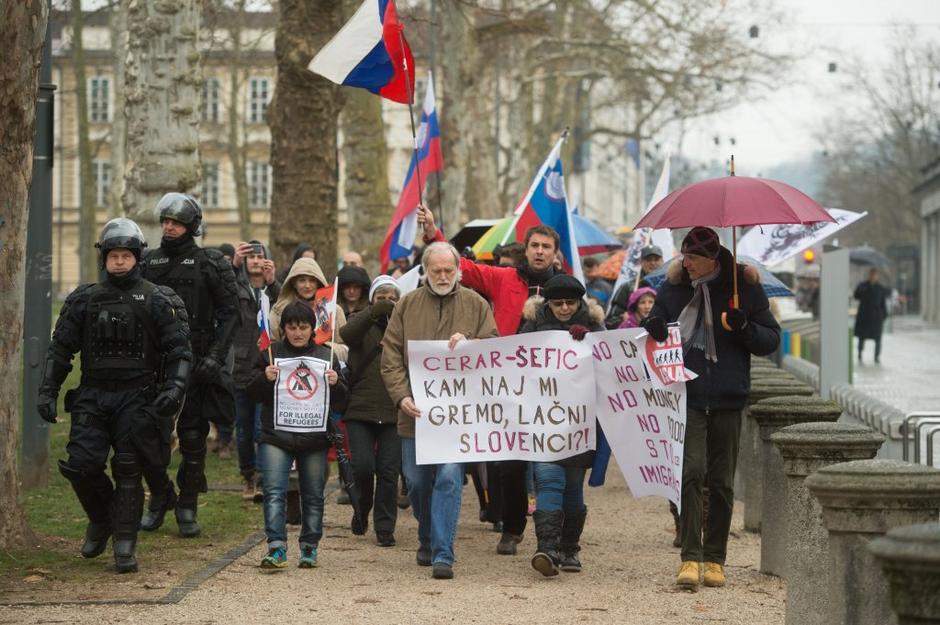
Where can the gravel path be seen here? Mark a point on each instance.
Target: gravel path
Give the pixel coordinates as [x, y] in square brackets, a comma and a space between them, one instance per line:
[628, 579]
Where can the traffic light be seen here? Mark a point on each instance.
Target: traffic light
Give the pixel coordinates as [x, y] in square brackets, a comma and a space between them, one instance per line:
[809, 256]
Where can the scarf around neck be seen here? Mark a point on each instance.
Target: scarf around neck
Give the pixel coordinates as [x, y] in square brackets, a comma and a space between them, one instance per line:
[695, 320]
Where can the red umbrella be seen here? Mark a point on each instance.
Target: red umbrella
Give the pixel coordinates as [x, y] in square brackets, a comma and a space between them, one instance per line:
[734, 201]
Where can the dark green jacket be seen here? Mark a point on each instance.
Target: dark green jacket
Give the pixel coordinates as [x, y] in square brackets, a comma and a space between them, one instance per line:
[368, 399]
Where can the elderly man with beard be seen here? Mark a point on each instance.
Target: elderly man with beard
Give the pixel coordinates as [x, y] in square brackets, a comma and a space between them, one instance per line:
[440, 310]
[507, 288]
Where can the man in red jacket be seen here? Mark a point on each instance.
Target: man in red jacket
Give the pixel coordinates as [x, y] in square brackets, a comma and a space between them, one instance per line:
[507, 288]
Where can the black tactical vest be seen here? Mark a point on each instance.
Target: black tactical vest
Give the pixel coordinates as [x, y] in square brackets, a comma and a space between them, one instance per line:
[119, 335]
[187, 275]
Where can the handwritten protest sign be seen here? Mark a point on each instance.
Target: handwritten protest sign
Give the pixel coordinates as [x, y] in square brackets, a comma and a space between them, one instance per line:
[641, 407]
[524, 397]
[301, 395]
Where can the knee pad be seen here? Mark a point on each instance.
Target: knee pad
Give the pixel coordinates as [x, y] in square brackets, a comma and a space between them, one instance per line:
[192, 442]
[70, 473]
[125, 465]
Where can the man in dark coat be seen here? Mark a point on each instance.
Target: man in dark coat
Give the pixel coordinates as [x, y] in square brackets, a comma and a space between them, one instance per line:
[872, 311]
[696, 293]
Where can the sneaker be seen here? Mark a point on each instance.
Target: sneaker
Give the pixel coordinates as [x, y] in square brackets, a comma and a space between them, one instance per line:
[688, 577]
[714, 575]
[530, 510]
[308, 558]
[507, 544]
[442, 570]
[403, 501]
[385, 540]
[276, 559]
[423, 556]
[248, 489]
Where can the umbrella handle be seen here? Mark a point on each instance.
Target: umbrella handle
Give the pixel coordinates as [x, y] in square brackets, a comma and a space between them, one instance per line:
[734, 269]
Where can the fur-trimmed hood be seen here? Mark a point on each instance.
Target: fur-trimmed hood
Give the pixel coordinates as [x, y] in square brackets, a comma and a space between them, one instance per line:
[677, 274]
[535, 303]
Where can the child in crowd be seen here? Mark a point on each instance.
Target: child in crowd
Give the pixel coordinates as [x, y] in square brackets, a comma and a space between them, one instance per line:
[638, 307]
[279, 449]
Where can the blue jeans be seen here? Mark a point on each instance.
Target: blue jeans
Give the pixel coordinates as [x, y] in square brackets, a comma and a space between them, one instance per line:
[434, 491]
[559, 487]
[311, 467]
[247, 432]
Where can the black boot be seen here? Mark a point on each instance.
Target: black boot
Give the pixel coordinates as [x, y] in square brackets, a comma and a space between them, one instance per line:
[162, 500]
[191, 479]
[570, 541]
[94, 493]
[548, 532]
[128, 505]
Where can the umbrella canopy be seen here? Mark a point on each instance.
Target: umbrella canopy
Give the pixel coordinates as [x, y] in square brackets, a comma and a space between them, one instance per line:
[734, 201]
[610, 268]
[773, 287]
[866, 255]
[471, 232]
[591, 238]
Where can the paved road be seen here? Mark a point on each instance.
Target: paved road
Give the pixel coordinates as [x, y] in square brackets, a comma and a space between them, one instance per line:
[628, 579]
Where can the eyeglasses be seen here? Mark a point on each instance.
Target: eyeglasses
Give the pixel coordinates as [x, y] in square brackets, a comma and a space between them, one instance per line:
[558, 303]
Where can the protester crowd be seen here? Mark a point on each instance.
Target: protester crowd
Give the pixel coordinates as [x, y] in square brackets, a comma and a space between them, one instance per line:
[171, 337]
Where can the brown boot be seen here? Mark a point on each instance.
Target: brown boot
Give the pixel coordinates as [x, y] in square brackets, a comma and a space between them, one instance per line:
[248, 489]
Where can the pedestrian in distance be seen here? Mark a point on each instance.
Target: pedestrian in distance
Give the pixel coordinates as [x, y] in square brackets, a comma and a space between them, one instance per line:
[134, 343]
[280, 449]
[560, 512]
[696, 293]
[872, 311]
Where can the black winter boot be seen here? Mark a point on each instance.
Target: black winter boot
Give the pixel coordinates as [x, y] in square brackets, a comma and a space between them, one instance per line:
[548, 532]
[191, 479]
[162, 500]
[570, 541]
[128, 504]
[94, 493]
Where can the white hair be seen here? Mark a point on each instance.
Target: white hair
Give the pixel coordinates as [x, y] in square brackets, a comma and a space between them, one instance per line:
[436, 247]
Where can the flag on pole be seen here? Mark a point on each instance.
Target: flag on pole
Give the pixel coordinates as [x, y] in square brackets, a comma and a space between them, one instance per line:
[324, 308]
[400, 237]
[547, 203]
[264, 310]
[643, 237]
[370, 51]
[770, 245]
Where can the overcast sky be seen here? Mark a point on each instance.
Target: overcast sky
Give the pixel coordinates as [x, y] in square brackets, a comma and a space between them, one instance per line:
[780, 127]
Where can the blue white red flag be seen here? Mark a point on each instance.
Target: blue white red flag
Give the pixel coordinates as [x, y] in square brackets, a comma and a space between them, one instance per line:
[547, 203]
[264, 309]
[370, 51]
[400, 237]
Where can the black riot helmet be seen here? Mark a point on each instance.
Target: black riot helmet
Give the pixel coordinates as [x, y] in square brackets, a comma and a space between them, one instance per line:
[183, 208]
[121, 233]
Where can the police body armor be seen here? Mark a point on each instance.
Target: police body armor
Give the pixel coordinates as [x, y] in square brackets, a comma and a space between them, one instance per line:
[119, 338]
[186, 275]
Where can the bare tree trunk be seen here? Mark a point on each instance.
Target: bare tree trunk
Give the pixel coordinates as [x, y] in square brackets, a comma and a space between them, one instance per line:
[302, 118]
[162, 97]
[22, 30]
[87, 209]
[118, 26]
[368, 202]
[236, 147]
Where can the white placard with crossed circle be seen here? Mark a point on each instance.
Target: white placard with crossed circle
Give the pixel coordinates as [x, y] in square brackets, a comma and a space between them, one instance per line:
[301, 395]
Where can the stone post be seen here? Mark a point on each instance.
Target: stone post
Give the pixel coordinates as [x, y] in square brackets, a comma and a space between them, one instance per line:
[806, 448]
[861, 500]
[749, 467]
[910, 559]
[772, 415]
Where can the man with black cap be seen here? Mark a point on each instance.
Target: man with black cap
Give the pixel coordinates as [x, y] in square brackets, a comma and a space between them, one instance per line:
[717, 341]
[128, 331]
[204, 280]
[651, 259]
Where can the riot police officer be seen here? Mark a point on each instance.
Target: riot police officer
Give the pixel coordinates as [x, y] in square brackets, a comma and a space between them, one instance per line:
[204, 280]
[128, 330]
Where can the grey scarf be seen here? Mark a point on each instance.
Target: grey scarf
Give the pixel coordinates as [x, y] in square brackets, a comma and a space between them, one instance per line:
[698, 329]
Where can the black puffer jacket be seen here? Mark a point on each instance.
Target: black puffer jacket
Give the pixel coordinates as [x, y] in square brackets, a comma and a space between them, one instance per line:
[726, 384]
[261, 389]
[537, 316]
[368, 399]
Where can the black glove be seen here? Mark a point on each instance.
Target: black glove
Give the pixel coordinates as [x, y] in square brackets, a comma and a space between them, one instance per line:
[382, 309]
[737, 319]
[656, 327]
[168, 401]
[46, 406]
[208, 369]
[577, 332]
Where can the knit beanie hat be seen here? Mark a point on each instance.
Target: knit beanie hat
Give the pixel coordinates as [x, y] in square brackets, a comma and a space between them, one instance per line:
[563, 286]
[701, 241]
[381, 281]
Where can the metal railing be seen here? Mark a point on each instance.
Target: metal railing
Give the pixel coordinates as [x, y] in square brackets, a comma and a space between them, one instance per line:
[919, 420]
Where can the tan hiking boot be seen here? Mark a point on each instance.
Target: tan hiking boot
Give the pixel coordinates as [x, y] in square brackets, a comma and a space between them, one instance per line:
[714, 575]
[248, 489]
[688, 577]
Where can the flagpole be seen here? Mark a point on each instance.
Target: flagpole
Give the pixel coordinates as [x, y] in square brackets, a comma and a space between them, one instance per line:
[411, 115]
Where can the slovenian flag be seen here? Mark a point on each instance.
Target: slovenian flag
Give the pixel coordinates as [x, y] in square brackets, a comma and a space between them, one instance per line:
[264, 309]
[547, 203]
[370, 51]
[324, 308]
[400, 238]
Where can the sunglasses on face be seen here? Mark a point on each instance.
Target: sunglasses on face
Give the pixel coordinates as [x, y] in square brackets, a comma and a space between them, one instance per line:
[558, 303]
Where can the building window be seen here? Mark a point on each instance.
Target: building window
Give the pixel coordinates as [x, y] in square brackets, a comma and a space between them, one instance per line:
[210, 100]
[259, 183]
[259, 90]
[102, 173]
[98, 89]
[209, 193]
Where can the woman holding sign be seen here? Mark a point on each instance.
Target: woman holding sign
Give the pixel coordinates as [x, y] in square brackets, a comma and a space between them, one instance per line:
[297, 391]
[559, 505]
